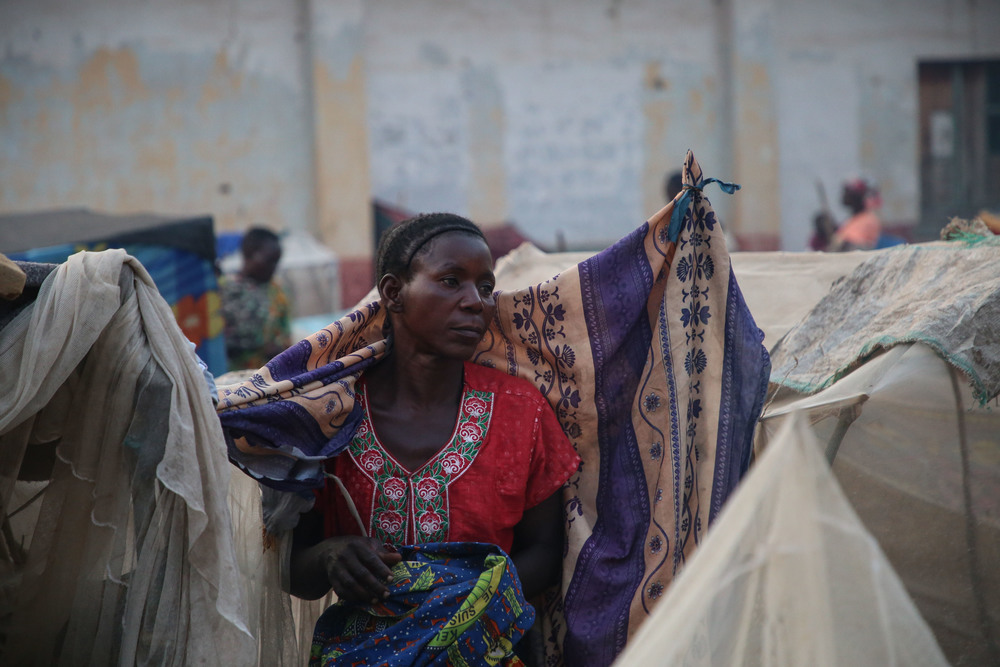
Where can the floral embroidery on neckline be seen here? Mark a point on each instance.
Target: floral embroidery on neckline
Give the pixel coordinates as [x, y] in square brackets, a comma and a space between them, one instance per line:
[412, 507]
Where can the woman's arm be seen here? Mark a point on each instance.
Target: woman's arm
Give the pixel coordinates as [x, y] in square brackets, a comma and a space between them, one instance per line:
[538, 545]
[357, 568]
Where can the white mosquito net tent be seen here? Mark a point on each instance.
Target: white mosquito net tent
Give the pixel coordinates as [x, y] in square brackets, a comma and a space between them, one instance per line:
[897, 370]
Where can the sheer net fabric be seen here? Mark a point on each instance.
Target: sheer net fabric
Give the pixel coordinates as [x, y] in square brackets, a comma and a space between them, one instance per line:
[127, 557]
[788, 575]
[282, 624]
[916, 454]
[897, 368]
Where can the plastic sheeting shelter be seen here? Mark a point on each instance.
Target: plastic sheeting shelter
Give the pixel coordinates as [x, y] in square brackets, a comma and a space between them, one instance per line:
[178, 252]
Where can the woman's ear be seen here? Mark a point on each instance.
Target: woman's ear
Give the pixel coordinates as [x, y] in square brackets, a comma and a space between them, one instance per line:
[390, 290]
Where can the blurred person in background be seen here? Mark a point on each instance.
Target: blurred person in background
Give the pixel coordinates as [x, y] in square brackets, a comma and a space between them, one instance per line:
[673, 185]
[254, 306]
[862, 230]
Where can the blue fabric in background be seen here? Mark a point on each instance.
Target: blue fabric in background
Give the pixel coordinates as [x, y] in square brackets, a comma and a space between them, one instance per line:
[185, 280]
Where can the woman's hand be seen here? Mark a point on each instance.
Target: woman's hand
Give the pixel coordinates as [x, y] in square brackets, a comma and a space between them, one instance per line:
[357, 568]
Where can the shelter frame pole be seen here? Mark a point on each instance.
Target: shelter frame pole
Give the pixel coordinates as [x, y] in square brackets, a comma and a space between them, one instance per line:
[978, 588]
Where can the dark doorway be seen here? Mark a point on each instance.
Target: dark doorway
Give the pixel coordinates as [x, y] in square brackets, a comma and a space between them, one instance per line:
[959, 141]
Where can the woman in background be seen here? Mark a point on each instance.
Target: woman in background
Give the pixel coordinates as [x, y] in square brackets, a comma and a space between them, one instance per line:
[862, 230]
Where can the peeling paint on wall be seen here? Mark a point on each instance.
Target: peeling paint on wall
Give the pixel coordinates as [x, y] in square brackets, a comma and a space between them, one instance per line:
[132, 129]
[657, 110]
[108, 80]
[557, 116]
[343, 184]
[487, 172]
[756, 158]
[658, 164]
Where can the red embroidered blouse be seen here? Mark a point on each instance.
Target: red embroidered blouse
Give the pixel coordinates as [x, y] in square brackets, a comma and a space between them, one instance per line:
[506, 455]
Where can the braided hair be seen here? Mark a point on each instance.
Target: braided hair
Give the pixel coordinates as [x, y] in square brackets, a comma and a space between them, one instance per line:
[402, 243]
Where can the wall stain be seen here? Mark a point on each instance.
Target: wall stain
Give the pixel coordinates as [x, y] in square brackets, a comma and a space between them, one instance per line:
[222, 82]
[120, 130]
[108, 79]
[658, 163]
[159, 157]
[653, 79]
[342, 170]
[756, 211]
[8, 95]
[696, 102]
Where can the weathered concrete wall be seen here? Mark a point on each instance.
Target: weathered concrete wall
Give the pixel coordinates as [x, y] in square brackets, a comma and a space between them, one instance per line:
[178, 108]
[565, 116]
[335, 60]
[561, 115]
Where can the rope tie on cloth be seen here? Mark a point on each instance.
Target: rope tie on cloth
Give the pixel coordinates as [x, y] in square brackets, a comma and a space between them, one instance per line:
[681, 207]
[350, 501]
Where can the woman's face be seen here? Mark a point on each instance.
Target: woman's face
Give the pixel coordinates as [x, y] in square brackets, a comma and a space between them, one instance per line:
[447, 303]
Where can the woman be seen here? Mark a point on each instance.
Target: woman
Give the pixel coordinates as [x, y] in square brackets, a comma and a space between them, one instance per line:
[862, 230]
[447, 450]
[655, 369]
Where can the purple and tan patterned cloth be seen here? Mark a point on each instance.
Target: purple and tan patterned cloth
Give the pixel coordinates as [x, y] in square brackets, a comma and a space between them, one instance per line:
[656, 372]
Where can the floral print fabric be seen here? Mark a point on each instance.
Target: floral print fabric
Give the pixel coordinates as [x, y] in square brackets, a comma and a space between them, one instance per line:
[411, 507]
[457, 604]
[507, 453]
